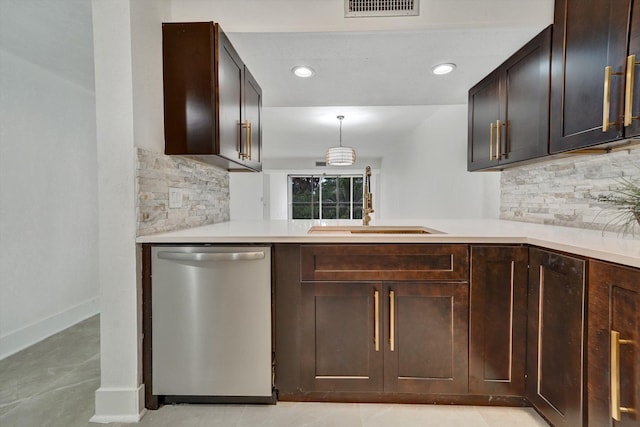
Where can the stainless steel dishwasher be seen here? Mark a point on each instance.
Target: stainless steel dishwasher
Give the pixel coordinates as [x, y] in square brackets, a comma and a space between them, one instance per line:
[211, 323]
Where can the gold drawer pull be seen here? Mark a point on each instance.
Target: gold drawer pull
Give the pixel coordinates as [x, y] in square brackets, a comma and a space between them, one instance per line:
[250, 139]
[491, 127]
[616, 409]
[376, 320]
[498, 140]
[392, 320]
[244, 152]
[606, 98]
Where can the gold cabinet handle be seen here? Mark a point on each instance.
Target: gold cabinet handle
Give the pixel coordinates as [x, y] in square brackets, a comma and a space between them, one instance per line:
[606, 98]
[250, 139]
[247, 139]
[628, 93]
[504, 153]
[392, 320]
[243, 126]
[239, 144]
[498, 140]
[376, 320]
[491, 127]
[616, 409]
[244, 153]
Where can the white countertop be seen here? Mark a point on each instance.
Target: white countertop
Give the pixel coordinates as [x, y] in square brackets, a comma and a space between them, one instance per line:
[589, 243]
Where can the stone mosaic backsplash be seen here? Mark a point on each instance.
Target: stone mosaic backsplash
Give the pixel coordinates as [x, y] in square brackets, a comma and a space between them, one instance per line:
[564, 191]
[201, 189]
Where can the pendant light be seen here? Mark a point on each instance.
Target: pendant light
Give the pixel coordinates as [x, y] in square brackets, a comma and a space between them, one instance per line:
[340, 156]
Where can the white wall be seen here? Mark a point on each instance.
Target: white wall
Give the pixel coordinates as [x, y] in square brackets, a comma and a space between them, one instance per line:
[426, 176]
[246, 196]
[48, 186]
[127, 45]
[275, 194]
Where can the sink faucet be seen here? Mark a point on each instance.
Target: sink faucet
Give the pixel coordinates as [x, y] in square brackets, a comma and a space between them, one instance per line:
[367, 198]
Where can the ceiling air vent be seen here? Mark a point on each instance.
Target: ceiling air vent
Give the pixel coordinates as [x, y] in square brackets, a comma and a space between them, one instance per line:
[321, 164]
[356, 8]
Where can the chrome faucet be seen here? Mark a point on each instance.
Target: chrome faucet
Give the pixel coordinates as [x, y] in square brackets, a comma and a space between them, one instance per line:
[367, 199]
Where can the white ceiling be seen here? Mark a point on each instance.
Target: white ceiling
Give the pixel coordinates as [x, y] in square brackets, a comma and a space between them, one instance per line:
[374, 68]
[374, 71]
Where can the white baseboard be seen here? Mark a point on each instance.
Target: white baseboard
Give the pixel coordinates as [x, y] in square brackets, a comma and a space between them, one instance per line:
[15, 341]
[119, 405]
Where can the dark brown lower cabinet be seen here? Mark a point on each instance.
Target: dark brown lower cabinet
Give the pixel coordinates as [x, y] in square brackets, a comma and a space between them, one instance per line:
[425, 337]
[555, 336]
[398, 337]
[613, 355]
[372, 322]
[498, 320]
[340, 350]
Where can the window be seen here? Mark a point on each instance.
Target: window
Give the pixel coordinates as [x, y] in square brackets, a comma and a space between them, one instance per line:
[325, 197]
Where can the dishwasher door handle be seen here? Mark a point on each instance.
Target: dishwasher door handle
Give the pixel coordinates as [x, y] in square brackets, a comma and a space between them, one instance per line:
[211, 256]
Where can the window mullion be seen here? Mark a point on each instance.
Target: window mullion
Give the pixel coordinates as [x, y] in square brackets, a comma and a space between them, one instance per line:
[320, 198]
[351, 198]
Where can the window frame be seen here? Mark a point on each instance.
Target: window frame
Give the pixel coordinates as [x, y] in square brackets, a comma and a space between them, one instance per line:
[321, 177]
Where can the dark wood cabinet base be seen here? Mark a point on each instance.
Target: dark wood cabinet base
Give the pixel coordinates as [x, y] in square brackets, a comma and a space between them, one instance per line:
[408, 398]
[254, 400]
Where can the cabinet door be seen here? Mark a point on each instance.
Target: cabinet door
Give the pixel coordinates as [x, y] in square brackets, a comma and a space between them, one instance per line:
[426, 337]
[555, 336]
[189, 98]
[614, 304]
[498, 320]
[229, 89]
[580, 54]
[484, 113]
[252, 136]
[341, 345]
[526, 82]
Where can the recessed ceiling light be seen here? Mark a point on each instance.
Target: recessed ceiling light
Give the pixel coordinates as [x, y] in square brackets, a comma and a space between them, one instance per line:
[443, 68]
[303, 71]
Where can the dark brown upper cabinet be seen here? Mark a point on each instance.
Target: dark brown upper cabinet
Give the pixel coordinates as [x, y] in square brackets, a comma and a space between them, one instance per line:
[593, 96]
[212, 103]
[509, 109]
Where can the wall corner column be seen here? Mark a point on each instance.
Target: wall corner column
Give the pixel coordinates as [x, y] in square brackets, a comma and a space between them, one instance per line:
[120, 396]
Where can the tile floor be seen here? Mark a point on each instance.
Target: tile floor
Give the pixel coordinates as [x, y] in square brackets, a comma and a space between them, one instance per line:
[52, 384]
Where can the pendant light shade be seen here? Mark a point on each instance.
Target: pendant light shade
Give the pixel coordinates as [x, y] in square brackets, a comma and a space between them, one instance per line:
[340, 156]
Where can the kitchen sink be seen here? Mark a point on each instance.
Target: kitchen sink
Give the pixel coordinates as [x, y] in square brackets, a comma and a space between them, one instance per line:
[371, 229]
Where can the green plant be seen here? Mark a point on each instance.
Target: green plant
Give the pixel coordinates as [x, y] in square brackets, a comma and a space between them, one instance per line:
[626, 199]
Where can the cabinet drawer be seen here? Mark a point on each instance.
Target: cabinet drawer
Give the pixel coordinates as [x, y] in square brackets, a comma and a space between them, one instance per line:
[384, 262]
